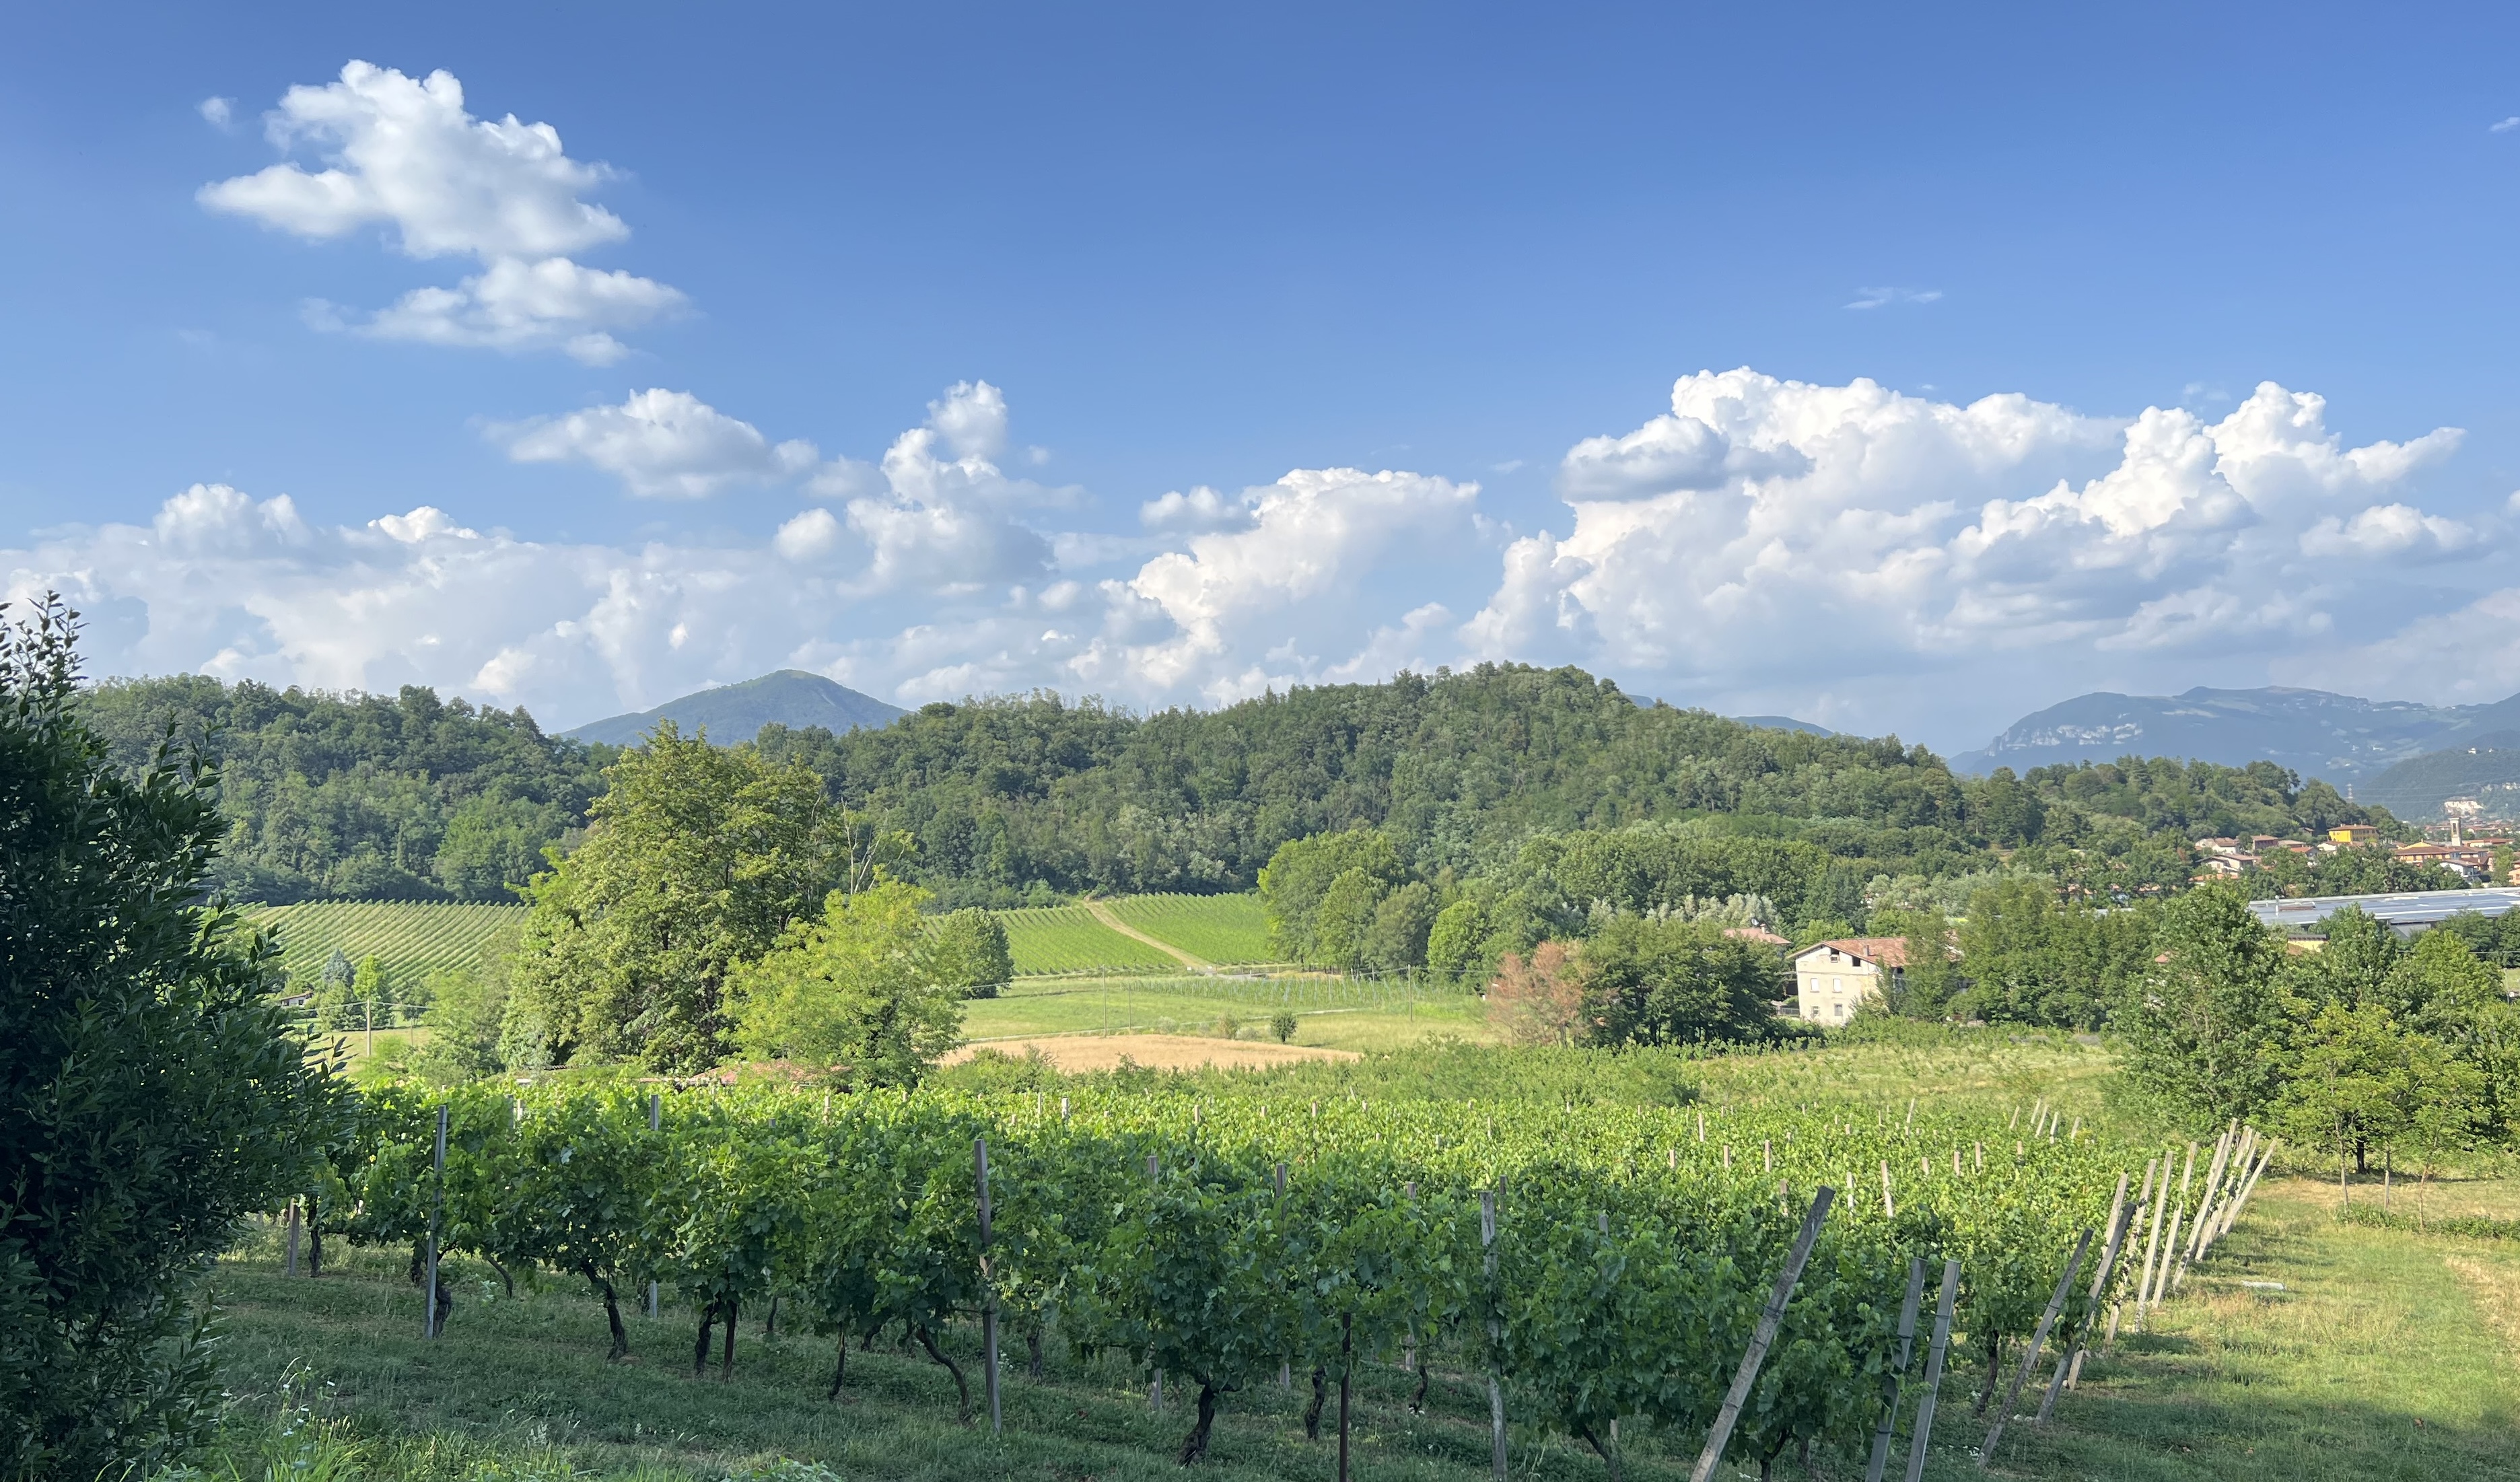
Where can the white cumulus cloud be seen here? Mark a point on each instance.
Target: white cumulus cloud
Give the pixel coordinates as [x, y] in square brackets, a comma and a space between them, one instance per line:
[1845, 552]
[1202, 509]
[1291, 583]
[661, 445]
[405, 154]
[1778, 537]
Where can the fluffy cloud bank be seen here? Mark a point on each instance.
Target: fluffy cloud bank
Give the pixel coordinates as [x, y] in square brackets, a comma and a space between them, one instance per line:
[1776, 537]
[931, 573]
[404, 153]
[1848, 553]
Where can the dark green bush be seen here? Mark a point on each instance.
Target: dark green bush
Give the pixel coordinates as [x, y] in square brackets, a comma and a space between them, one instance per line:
[152, 1095]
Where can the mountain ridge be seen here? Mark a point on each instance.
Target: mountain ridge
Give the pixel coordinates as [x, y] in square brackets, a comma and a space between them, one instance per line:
[2487, 768]
[2342, 738]
[735, 713]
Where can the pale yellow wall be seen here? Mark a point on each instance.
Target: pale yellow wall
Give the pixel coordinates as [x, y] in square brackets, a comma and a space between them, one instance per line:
[1829, 992]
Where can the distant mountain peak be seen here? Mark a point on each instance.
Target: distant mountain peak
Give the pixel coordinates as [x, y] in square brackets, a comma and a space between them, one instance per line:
[735, 713]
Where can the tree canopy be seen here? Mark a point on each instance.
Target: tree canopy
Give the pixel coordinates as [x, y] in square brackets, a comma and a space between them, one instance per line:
[697, 859]
[387, 797]
[872, 991]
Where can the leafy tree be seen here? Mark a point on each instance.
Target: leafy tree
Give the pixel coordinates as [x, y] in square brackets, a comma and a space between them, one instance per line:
[1676, 982]
[1928, 984]
[1681, 866]
[2207, 1025]
[1396, 941]
[870, 988]
[373, 992]
[2033, 957]
[2355, 964]
[2495, 939]
[1457, 768]
[1345, 919]
[1457, 944]
[697, 861]
[2447, 1010]
[2340, 1091]
[467, 1017]
[151, 1094]
[972, 954]
[2005, 810]
[2201, 800]
[2444, 989]
[1821, 928]
[1297, 882]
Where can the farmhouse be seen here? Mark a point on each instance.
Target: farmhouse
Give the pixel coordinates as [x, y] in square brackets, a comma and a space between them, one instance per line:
[1831, 980]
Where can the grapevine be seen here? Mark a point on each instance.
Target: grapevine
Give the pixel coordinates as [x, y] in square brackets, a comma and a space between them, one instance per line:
[1634, 1248]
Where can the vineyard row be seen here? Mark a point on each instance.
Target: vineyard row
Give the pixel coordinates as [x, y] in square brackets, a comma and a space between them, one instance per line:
[1605, 1266]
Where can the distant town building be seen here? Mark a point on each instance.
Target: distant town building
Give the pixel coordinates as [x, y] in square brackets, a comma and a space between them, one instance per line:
[2473, 861]
[1833, 979]
[2408, 912]
[2353, 833]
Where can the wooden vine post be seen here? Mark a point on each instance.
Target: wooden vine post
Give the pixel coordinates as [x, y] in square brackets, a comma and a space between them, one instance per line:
[2069, 1370]
[2161, 1278]
[2146, 1208]
[2030, 1358]
[1285, 1369]
[429, 1324]
[1155, 1386]
[1924, 1431]
[988, 1287]
[1899, 1371]
[655, 1123]
[1496, 1385]
[1770, 1319]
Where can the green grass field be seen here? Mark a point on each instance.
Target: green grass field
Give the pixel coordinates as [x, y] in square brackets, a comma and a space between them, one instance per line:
[1049, 939]
[1229, 930]
[413, 940]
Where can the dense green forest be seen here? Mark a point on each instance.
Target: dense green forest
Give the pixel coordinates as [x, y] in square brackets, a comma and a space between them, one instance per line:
[1020, 797]
[370, 797]
[1492, 773]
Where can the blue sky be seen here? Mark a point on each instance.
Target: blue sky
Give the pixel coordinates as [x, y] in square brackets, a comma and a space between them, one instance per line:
[1335, 266]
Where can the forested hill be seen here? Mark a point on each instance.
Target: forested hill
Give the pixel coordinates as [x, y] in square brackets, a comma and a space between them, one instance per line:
[406, 797]
[1031, 792]
[400, 798]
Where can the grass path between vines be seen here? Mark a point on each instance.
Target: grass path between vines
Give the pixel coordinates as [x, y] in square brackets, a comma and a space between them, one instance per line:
[2387, 1355]
[1101, 912]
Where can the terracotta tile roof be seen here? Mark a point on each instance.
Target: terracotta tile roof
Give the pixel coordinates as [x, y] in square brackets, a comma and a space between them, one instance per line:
[1886, 951]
